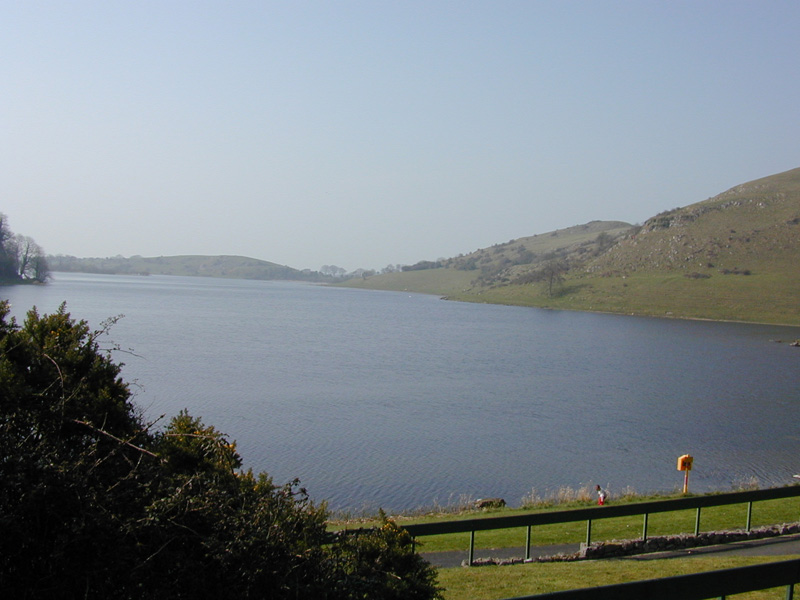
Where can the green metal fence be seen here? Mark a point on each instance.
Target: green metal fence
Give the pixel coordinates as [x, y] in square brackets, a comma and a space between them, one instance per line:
[601, 512]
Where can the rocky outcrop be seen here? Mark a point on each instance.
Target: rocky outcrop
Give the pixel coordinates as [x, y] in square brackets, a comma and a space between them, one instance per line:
[490, 503]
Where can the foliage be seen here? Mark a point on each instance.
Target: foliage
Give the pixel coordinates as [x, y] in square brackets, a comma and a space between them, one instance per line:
[21, 258]
[422, 266]
[381, 563]
[70, 462]
[94, 504]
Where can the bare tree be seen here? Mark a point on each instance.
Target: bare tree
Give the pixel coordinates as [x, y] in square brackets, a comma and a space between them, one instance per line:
[25, 247]
[29, 259]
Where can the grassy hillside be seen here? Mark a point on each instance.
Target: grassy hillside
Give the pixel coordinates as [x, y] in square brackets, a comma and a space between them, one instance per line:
[234, 267]
[731, 257]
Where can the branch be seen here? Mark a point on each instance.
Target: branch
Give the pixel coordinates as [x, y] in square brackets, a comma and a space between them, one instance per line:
[115, 438]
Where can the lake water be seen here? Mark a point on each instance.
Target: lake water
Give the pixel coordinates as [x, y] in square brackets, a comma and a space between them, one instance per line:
[396, 400]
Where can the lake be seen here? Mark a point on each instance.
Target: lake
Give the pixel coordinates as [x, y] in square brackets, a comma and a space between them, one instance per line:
[396, 400]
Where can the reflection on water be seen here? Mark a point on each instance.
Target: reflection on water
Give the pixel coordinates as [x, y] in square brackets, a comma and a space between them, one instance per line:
[400, 400]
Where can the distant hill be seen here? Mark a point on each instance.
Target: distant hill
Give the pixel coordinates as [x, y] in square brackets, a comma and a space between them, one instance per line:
[734, 256]
[233, 267]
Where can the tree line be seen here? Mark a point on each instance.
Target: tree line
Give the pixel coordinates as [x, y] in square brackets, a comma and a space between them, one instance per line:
[97, 502]
[21, 258]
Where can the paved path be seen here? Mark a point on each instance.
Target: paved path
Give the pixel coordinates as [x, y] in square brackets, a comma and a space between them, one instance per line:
[784, 545]
[776, 546]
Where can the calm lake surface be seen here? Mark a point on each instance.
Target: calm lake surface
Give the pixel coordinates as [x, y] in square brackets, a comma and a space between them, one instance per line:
[395, 400]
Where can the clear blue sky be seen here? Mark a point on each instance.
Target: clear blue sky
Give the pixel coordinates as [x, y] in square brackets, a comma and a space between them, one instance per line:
[367, 133]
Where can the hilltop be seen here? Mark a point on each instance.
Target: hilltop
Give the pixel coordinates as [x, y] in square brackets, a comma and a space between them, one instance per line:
[232, 267]
[730, 257]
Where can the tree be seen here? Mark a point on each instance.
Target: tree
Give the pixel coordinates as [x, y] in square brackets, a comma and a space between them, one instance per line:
[28, 253]
[603, 242]
[7, 258]
[94, 504]
[21, 258]
[553, 273]
[40, 269]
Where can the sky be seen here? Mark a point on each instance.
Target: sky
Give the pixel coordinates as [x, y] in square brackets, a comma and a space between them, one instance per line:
[364, 134]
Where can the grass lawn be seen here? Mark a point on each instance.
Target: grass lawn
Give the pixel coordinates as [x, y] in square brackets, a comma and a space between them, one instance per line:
[494, 583]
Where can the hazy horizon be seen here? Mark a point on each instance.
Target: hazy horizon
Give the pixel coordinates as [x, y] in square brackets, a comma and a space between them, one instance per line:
[364, 134]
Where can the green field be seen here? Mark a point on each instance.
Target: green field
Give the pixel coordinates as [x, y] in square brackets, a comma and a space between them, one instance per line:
[494, 583]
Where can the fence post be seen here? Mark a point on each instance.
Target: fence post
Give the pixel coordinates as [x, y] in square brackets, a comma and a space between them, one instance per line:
[697, 522]
[588, 532]
[749, 514]
[471, 547]
[790, 591]
[644, 528]
[528, 544]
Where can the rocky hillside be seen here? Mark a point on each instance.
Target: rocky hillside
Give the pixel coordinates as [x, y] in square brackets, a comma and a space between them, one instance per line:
[731, 257]
[749, 228]
[516, 260]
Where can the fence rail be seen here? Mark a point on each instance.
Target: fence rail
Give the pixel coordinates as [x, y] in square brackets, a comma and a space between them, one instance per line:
[601, 512]
[697, 586]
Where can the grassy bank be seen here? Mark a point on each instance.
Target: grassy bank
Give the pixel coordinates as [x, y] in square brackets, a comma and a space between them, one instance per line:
[758, 298]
